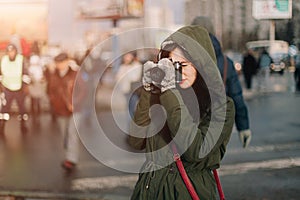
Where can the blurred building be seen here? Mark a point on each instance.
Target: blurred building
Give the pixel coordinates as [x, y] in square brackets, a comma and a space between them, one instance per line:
[296, 22]
[235, 24]
[67, 23]
[233, 20]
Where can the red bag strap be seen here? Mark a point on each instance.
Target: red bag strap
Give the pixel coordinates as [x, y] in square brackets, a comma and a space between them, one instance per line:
[183, 174]
[219, 186]
[187, 181]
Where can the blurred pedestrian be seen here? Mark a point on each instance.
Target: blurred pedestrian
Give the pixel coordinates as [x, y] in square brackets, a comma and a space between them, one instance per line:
[297, 72]
[249, 67]
[22, 45]
[231, 80]
[49, 72]
[35, 48]
[130, 72]
[13, 77]
[263, 73]
[91, 67]
[60, 95]
[184, 122]
[136, 85]
[37, 86]
[15, 40]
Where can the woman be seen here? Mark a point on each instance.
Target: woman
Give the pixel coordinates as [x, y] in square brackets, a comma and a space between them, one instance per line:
[195, 115]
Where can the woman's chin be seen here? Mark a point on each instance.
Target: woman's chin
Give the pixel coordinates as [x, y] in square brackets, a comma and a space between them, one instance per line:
[184, 85]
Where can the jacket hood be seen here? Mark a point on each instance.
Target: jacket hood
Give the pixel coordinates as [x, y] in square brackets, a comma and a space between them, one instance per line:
[196, 43]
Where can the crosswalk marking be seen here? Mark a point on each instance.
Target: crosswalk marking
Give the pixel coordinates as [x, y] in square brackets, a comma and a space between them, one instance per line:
[129, 181]
[241, 168]
[107, 182]
[266, 148]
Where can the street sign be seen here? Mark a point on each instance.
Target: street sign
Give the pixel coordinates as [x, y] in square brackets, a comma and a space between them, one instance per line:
[110, 9]
[272, 9]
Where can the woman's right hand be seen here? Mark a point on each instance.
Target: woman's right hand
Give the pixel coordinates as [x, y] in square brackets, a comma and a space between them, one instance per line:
[146, 75]
[168, 82]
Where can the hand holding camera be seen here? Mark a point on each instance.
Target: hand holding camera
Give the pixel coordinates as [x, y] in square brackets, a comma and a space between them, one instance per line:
[168, 81]
[147, 81]
[164, 75]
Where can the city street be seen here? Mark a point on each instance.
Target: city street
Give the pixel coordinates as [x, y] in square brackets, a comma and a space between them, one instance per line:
[269, 169]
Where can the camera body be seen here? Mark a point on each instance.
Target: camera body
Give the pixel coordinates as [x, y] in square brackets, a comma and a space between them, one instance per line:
[178, 71]
[157, 74]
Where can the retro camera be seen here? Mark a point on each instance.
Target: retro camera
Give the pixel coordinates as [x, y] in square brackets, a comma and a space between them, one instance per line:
[157, 74]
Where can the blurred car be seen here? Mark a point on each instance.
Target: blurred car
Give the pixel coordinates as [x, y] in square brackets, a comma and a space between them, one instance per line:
[237, 59]
[279, 63]
[277, 49]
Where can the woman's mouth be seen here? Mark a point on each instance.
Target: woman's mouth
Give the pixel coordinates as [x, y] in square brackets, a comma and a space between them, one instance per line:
[182, 81]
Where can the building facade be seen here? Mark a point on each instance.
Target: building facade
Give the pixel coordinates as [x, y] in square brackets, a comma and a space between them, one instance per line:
[235, 25]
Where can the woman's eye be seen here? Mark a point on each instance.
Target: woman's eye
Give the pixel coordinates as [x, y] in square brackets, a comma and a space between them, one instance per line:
[184, 64]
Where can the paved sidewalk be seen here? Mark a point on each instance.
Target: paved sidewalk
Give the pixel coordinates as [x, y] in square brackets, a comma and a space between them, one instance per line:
[268, 169]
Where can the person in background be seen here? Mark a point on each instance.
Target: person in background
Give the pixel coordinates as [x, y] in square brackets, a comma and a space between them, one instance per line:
[250, 67]
[49, 72]
[22, 45]
[15, 40]
[35, 48]
[130, 72]
[135, 84]
[264, 63]
[60, 90]
[91, 66]
[36, 87]
[232, 82]
[13, 75]
[297, 72]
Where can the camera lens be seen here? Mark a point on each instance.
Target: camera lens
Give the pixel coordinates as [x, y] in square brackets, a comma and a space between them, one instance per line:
[157, 74]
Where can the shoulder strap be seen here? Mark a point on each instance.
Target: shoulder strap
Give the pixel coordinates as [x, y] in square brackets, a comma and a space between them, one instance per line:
[219, 186]
[225, 68]
[183, 173]
[186, 179]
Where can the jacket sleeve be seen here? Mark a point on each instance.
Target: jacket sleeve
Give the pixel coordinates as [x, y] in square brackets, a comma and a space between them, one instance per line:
[197, 142]
[234, 90]
[139, 126]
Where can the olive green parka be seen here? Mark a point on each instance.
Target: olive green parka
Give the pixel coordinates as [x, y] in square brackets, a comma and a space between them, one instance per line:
[201, 144]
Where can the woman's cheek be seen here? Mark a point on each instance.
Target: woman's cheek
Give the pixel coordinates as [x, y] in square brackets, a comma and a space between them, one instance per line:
[185, 84]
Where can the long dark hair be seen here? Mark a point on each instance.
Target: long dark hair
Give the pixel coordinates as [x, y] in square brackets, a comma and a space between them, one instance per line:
[199, 87]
